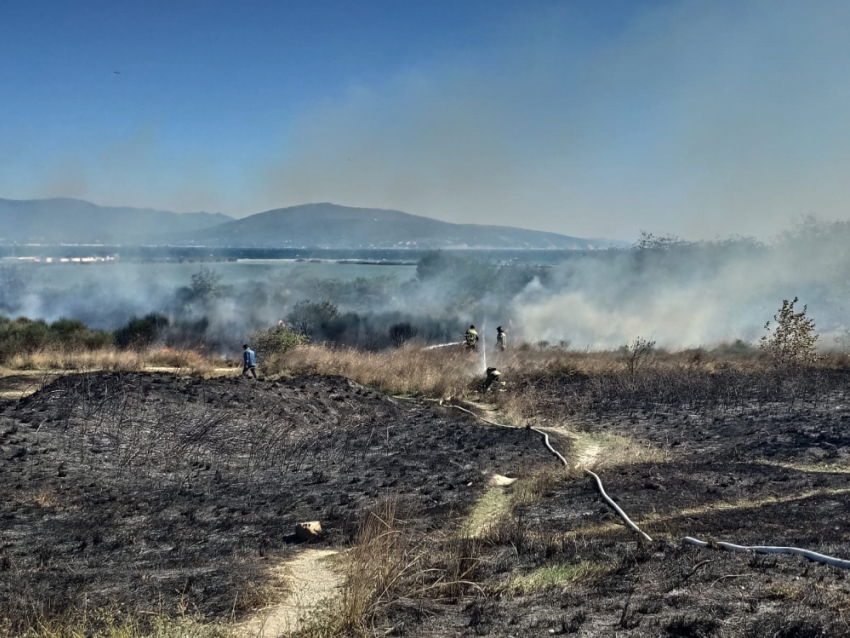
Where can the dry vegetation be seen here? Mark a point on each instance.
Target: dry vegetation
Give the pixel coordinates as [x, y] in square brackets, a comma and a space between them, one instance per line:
[114, 359]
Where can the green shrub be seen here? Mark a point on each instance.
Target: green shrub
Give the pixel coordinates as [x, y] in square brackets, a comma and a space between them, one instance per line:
[26, 336]
[276, 340]
[141, 332]
[793, 341]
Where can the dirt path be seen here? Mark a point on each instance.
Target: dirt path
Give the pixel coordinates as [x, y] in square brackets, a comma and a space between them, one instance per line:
[312, 582]
[17, 385]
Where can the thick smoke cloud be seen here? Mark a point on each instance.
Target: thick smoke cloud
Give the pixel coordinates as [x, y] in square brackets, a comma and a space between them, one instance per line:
[702, 119]
[678, 293]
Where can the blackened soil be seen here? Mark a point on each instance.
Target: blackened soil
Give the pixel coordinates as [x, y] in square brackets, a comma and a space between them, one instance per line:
[149, 489]
[767, 470]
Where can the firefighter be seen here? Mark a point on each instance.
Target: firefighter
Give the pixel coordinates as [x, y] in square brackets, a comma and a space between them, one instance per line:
[493, 376]
[501, 338]
[471, 338]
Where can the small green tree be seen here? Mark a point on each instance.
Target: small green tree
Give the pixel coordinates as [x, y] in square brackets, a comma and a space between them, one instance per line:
[276, 340]
[793, 341]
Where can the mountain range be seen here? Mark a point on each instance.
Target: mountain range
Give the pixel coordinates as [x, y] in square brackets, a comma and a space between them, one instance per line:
[73, 221]
[324, 225]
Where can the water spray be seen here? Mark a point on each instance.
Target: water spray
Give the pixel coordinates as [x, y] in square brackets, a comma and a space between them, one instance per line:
[483, 339]
[443, 345]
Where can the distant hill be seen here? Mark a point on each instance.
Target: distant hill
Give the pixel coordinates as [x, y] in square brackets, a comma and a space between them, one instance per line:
[73, 221]
[333, 226]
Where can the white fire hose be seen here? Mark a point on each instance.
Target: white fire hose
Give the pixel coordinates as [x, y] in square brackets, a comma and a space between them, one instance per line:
[758, 549]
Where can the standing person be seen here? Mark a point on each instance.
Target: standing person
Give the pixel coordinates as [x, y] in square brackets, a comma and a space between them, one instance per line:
[249, 361]
[501, 338]
[471, 338]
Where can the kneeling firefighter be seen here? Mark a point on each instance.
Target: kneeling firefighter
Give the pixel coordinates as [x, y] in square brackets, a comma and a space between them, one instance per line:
[493, 376]
[470, 338]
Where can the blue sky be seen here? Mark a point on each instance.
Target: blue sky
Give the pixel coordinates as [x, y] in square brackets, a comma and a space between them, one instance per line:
[587, 118]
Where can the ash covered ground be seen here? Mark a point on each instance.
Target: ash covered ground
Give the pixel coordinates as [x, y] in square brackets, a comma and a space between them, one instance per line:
[152, 490]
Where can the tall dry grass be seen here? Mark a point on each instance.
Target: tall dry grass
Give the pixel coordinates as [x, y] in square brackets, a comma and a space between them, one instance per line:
[453, 372]
[409, 370]
[113, 359]
[375, 567]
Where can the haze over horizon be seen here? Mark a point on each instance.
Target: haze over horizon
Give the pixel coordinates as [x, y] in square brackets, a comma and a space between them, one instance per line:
[588, 119]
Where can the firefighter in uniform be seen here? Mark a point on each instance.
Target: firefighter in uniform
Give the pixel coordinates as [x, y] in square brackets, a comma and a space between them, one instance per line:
[493, 376]
[501, 338]
[471, 338]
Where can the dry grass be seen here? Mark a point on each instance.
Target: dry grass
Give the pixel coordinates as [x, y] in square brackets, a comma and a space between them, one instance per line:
[86, 623]
[453, 372]
[615, 450]
[374, 568]
[407, 371]
[557, 576]
[391, 562]
[492, 507]
[498, 503]
[412, 370]
[58, 360]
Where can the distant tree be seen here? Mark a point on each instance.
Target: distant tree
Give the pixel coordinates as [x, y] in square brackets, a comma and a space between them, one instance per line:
[139, 333]
[206, 284]
[310, 318]
[649, 241]
[401, 333]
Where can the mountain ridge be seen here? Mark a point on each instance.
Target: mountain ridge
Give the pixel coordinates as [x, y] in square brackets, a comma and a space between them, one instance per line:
[68, 220]
[314, 225]
[326, 225]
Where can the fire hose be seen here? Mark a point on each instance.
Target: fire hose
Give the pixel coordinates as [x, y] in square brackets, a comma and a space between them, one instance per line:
[758, 549]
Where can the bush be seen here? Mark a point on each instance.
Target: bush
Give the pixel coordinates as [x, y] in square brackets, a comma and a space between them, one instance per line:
[637, 353]
[25, 336]
[276, 340]
[141, 333]
[794, 340]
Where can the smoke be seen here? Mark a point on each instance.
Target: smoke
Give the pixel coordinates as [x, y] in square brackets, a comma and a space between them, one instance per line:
[702, 119]
[689, 295]
[678, 293]
[590, 119]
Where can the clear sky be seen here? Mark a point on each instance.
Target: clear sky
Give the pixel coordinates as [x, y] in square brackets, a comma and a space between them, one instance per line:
[596, 118]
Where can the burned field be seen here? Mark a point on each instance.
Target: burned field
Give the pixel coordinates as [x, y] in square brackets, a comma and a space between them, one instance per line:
[752, 458]
[148, 491]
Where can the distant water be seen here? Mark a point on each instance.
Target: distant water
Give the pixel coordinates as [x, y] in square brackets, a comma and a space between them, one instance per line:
[175, 253]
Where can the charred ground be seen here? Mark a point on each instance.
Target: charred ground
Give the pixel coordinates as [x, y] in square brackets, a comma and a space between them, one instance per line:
[153, 491]
[134, 488]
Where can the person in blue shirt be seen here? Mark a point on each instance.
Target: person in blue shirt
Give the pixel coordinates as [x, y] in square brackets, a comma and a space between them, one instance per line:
[249, 361]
